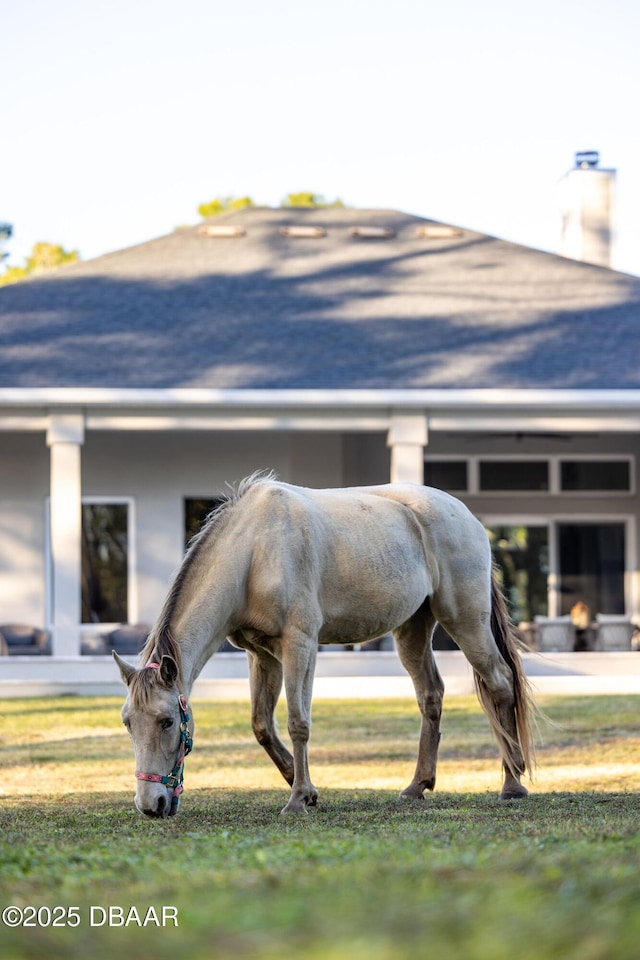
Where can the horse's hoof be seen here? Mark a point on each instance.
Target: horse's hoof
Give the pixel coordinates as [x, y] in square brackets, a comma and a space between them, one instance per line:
[300, 804]
[295, 809]
[411, 794]
[514, 792]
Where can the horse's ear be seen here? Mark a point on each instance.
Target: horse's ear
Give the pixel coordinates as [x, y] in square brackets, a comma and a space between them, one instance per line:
[168, 671]
[126, 670]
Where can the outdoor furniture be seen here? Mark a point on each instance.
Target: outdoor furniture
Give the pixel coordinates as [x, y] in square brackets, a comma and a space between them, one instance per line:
[24, 640]
[614, 632]
[93, 646]
[555, 634]
[528, 633]
[128, 639]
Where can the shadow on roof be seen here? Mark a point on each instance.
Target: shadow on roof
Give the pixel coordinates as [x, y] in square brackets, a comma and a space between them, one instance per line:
[478, 315]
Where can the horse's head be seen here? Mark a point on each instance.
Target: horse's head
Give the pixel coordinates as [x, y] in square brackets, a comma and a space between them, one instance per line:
[157, 717]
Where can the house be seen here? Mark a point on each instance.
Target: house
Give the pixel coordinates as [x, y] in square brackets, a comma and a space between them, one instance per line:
[336, 347]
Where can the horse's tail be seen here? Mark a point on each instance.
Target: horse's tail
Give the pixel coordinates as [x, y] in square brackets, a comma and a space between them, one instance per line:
[509, 645]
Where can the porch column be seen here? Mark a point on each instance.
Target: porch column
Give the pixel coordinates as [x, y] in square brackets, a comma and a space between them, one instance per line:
[65, 437]
[408, 436]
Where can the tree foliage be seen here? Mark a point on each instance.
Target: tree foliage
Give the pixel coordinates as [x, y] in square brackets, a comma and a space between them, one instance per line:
[43, 258]
[6, 231]
[223, 205]
[308, 199]
[305, 198]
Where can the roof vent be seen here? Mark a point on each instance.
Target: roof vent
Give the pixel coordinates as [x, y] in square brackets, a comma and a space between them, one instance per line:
[372, 233]
[438, 231]
[303, 232]
[221, 230]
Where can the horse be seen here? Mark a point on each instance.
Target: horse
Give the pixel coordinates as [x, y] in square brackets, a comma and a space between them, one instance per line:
[279, 569]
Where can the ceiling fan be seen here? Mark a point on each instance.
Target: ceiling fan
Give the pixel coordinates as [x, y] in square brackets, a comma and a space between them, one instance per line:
[519, 435]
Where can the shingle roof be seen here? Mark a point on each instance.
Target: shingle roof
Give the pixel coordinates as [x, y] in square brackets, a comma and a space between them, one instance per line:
[339, 311]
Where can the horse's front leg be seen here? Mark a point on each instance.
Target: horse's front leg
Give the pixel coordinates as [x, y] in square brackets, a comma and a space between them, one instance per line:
[413, 643]
[299, 660]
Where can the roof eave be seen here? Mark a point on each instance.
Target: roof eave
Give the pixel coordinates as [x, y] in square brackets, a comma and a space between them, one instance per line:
[330, 399]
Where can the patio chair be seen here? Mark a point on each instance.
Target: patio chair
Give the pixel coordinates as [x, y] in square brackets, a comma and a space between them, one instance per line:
[24, 640]
[555, 634]
[614, 632]
[128, 639]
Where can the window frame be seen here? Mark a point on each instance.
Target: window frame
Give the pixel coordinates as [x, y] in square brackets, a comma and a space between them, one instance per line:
[509, 458]
[552, 521]
[554, 461]
[528, 520]
[452, 459]
[216, 499]
[594, 458]
[132, 562]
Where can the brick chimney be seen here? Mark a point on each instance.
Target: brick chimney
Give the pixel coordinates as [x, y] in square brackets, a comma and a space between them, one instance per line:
[587, 193]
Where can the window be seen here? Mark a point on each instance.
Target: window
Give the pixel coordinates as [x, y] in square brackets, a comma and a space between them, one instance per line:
[446, 474]
[196, 512]
[555, 475]
[546, 567]
[105, 562]
[514, 475]
[595, 475]
[592, 564]
[522, 556]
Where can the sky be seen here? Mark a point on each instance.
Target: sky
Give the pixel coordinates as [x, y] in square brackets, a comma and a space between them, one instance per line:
[119, 117]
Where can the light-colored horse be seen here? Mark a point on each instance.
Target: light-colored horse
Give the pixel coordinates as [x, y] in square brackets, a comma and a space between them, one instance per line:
[279, 569]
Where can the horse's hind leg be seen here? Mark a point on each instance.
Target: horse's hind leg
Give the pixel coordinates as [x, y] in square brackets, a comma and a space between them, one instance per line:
[299, 660]
[265, 680]
[495, 686]
[413, 642]
[468, 620]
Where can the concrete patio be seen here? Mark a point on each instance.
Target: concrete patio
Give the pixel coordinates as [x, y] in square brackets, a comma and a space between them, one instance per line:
[338, 674]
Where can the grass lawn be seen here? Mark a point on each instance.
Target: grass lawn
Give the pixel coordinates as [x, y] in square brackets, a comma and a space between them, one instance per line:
[460, 876]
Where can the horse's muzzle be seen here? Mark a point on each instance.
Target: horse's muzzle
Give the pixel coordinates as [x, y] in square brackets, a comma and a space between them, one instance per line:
[159, 807]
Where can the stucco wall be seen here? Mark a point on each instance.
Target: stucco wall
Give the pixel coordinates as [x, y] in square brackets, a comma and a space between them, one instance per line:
[24, 487]
[159, 471]
[155, 471]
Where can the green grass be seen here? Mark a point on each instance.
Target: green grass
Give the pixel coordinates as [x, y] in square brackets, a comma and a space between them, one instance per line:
[461, 876]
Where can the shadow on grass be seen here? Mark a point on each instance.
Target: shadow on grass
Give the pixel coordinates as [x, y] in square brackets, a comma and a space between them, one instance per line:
[75, 817]
[64, 703]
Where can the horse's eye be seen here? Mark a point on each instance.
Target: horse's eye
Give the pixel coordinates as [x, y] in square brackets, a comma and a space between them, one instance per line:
[166, 723]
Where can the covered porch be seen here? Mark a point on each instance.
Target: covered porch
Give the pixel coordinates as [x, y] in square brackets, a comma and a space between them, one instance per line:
[552, 474]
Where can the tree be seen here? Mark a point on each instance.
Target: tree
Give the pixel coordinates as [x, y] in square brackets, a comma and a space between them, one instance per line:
[227, 204]
[223, 205]
[6, 231]
[308, 199]
[44, 257]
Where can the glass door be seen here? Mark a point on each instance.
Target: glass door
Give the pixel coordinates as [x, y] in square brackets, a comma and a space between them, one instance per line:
[105, 562]
[521, 553]
[592, 564]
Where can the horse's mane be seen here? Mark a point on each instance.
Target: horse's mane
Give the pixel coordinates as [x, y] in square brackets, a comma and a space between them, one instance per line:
[161, 641]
